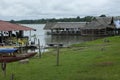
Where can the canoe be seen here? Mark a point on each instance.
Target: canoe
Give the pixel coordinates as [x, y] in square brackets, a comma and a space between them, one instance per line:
[10, 58]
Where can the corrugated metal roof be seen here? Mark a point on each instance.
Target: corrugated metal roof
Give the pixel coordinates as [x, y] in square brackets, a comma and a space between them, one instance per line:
[6, 26]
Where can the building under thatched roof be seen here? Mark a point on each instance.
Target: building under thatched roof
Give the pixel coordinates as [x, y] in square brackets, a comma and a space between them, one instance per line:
[99, 23]
[100, 26]
[65, 27]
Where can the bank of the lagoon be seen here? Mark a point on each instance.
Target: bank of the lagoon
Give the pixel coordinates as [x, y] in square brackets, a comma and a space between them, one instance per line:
[94, 60]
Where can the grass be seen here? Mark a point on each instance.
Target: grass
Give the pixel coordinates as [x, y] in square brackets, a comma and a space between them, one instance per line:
[94, 60]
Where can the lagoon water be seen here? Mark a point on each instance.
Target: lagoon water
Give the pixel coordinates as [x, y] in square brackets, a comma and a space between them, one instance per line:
[45, 39]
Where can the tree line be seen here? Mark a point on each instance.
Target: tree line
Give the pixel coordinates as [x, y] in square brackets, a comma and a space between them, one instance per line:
[43, 21]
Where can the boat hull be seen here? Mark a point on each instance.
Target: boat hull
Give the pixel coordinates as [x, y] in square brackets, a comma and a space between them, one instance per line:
[8, 59]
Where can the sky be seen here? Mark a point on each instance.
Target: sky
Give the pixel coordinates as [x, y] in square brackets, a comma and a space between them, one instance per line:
[38, 9]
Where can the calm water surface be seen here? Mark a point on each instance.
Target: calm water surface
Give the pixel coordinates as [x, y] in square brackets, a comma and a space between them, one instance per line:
[44, 38]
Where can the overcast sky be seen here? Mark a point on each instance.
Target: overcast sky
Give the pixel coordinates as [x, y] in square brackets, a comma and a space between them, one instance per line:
[37, 9]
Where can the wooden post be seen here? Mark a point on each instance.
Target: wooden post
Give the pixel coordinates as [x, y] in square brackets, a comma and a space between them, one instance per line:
[30, 36]
[9, 33]
[12, 77]
[39, 48]
[21, 33]
[21, 48]
[57, 56]
[3, 66]
[2, 37]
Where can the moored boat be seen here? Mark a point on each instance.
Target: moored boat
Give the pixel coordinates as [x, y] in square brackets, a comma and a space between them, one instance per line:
[8, 55]
[13, 58]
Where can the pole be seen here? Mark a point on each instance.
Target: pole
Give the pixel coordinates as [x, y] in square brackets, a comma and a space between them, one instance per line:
[30, 35]
[2, 36]
[57, 57]
[12, 76]
[39, 48]
[3, 66]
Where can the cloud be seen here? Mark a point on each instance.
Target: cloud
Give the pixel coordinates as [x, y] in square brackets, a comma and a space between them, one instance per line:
[34, 9]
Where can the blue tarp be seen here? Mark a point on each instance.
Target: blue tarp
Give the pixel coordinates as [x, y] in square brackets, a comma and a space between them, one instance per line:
[7, 50]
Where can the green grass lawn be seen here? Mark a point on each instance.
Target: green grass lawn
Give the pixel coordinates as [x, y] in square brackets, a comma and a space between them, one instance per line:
[95, 60]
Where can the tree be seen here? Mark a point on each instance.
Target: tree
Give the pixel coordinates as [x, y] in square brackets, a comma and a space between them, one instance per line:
[78, 18]
[12, 21]
[103, 15]
[88, 18]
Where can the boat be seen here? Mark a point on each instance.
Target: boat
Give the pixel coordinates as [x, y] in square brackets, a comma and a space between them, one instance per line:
[7, 55]
[13, 58]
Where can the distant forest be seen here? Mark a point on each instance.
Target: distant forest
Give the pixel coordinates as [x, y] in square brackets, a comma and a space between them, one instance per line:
[43, 21]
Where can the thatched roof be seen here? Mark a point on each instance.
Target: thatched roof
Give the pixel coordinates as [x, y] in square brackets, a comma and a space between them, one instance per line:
[69, 25]
[63, 25]
[49, 25]
[100, 23]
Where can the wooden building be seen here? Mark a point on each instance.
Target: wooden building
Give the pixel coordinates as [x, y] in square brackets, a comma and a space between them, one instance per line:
[63, 28]
[100, 26]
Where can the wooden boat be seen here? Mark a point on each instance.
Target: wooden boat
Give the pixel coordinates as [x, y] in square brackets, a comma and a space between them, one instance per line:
[13, 58]
[7, 55]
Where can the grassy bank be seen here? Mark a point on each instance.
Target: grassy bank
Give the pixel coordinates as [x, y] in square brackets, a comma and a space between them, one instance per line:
[95, 60]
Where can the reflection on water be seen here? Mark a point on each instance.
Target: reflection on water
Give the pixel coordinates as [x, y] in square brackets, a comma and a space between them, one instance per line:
[67, 39]
[44, 39]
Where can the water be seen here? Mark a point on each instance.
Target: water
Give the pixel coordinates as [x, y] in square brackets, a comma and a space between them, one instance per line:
[40, 33]
[45, 39]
